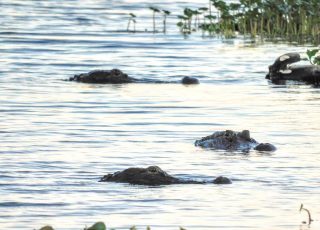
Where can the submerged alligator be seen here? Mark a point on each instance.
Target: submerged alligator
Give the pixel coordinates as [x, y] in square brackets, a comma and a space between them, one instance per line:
[116, 76]
[282, 70]
[154, 175]
[233, 141]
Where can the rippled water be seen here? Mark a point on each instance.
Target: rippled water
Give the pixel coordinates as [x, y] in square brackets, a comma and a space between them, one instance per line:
[59, 137]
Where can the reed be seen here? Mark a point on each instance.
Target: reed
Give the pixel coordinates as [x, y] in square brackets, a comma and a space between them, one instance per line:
[165, 14]
[185, 21]
[131, 19]
[154, 11]
[290, 20]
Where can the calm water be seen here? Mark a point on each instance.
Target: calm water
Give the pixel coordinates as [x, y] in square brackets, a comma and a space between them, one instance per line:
[58, 137]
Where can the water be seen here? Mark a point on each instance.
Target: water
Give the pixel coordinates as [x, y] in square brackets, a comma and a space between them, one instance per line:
[58, 137]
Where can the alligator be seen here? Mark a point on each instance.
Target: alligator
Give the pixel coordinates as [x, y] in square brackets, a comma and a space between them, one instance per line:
[282, 70]
[116, 76]
[233, 141]
[153, 176]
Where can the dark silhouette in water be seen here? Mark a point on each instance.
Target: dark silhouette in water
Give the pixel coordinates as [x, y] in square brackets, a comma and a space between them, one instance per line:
[154, 175]
[282, 70]
[116, 76]
[233, 141]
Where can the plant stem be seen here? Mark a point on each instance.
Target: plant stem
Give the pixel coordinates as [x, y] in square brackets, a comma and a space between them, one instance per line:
[128, 24]
[154, 21]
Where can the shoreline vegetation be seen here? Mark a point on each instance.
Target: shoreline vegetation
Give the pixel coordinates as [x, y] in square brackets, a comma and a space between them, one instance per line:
[289, 20]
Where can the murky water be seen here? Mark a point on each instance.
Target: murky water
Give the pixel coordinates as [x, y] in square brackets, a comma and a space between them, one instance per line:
[59, 137]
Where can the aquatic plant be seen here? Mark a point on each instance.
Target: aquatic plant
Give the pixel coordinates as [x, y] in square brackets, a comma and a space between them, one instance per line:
[185, 22]
[202, 11]
[288, 19]
[132, 19]
[97, 226]
[183, 25]
[226, 21]
[134, 25]
[196, 13]
[165, 14]
[210, 8]
[188, 13]
[282, 19]
[313, 56]
[309, 214]
[154, 11]
[100, 226]
[294, 21]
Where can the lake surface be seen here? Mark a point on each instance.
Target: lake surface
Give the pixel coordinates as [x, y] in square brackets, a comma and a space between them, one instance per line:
[58, 137]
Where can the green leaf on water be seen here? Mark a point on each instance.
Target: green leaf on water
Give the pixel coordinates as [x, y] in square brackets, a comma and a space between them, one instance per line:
[312, 56]
[316, 60]
[211, 17]
[312, 53]
[97, 226]
[180, 24]
[203, 9]
[154, 9]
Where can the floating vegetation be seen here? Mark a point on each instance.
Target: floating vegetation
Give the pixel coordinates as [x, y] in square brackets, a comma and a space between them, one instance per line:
[309, 214]
[97, 226]
[100, 226]
[314, 56]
